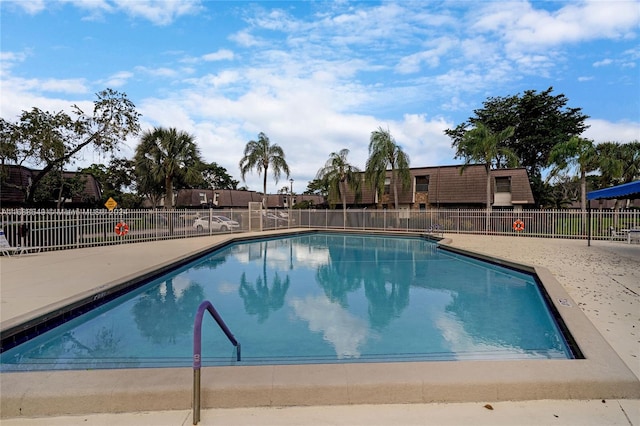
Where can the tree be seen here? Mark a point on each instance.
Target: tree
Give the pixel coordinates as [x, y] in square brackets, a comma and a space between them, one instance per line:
[481, 145]
[540, 122]
[384, 152]
[8, 145]
[317, 187]
[117, 180]
[630, 154]
[163, 156]
[53, 139]
[56, 188]
[260, 155]
[562, 193]
[575, 153]
[217, 177]
[609, 163]
[340, 175]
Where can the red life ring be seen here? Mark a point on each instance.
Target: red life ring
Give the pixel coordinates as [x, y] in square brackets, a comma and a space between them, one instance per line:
[518, 225]
[122, 229]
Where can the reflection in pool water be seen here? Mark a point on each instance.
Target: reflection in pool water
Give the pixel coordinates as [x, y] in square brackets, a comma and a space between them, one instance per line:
[314, 298]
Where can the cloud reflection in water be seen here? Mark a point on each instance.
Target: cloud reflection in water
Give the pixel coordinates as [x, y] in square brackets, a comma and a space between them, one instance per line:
[346, 332]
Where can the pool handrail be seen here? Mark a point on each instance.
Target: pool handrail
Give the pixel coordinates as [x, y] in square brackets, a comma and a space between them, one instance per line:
[197, 350]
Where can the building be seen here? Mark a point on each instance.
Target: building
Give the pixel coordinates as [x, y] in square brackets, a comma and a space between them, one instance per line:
[15, 180]
[431, 188]
[453, 187]
[236, 199]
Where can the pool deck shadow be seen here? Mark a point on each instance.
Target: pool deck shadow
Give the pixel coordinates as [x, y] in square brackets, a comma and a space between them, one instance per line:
[34, 287]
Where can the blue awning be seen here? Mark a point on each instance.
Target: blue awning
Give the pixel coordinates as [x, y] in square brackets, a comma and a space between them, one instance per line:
[625, 191]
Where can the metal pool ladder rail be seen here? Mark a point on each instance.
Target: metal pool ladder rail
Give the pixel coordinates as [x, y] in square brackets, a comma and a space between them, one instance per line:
[197, 351]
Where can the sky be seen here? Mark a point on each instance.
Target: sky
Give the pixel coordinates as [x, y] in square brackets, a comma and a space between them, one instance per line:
[319, 76]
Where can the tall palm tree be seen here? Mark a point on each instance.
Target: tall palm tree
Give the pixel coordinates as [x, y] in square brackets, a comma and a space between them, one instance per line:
[338, 175]
[576, 152]
[609, 163]
[384, 152]
[165, 155]
[260, 155]
[630, 154]
[481, 145]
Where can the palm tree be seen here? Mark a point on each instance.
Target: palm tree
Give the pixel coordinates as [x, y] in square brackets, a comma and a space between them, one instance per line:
[481, 145]
[338, 175]
[630, 154]
[609, 163]
[165, 155]
[384, 152]
[260, 155]
[612, 166]
[576, 152]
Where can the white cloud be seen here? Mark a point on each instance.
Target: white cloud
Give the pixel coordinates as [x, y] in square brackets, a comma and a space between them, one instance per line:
[245, 39]
[118, 79]
[159, 12]
[22, 87]
[13, 102]
[9, 59]
[607, 131]
[275, 20]
[222, 54]
[163, 72]
[521, 24]
[71, 86]
[603, 62]
[222, 79]
[430, 57]
[32, 7]
[12, 56]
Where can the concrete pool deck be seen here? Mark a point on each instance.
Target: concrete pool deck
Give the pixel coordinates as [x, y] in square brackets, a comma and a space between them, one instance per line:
[603, 280]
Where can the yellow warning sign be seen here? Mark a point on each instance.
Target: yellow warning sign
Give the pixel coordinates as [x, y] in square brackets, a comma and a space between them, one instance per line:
[111, 204]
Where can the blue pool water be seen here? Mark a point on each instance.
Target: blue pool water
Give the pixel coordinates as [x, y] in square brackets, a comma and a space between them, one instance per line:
[314, 298]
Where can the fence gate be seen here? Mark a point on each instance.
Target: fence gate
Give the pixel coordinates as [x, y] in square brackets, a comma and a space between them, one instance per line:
[255, 216]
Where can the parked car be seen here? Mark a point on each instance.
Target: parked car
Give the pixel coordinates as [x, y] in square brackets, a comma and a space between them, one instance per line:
[189, 217]
[218, 223]
[270, 220]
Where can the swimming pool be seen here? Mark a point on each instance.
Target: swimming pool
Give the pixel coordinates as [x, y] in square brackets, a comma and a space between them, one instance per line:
[316, 298]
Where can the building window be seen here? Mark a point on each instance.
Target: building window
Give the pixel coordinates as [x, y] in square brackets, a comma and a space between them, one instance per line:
[422, 183]
[203, 198]
[387, 185]
[503, 184]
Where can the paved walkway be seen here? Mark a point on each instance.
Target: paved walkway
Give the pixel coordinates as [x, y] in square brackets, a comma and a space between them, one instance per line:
[603, 279]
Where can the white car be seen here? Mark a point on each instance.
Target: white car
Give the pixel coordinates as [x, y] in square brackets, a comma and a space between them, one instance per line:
[218, 223]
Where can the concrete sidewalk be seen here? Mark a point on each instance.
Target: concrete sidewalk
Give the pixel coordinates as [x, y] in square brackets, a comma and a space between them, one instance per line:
[603, 279]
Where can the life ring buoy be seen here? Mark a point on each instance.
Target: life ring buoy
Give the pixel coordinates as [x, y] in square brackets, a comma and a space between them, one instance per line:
[122, 229]
[518, 225]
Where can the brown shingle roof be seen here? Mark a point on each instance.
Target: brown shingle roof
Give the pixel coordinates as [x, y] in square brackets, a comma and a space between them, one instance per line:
[448, 186]
[520, 187]
[227, 198]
